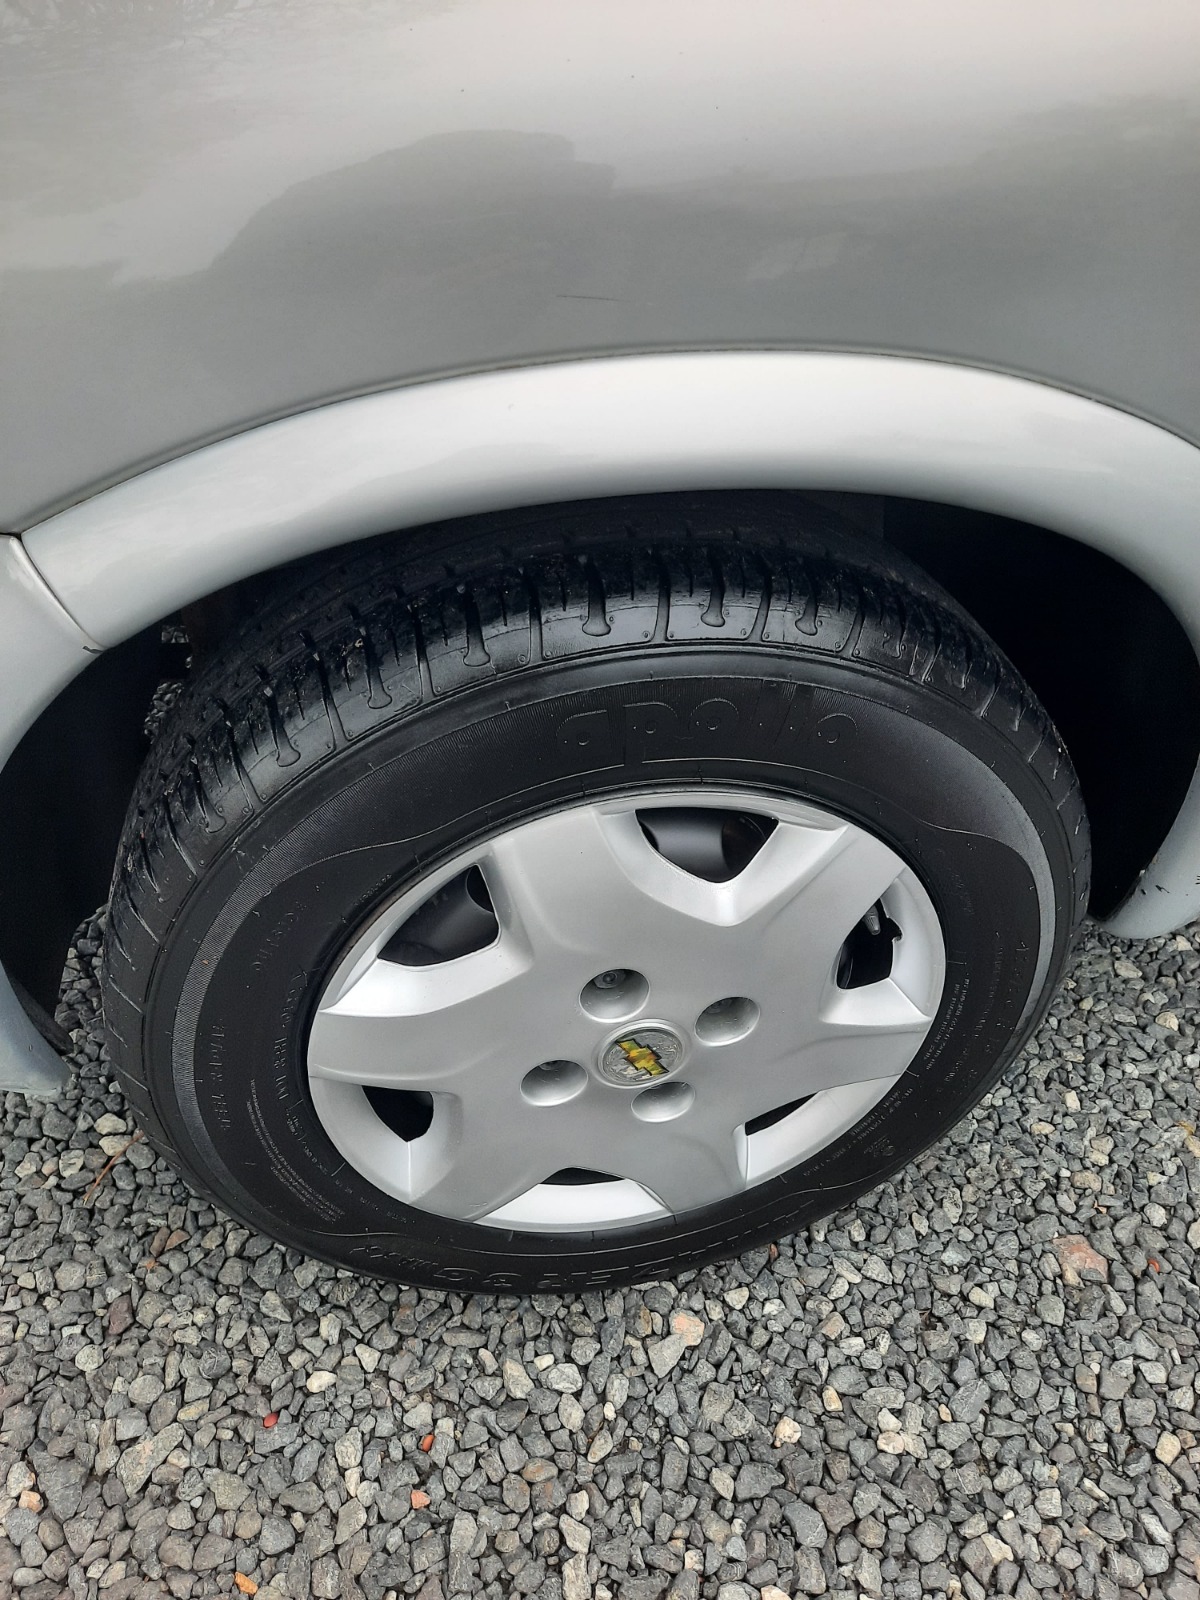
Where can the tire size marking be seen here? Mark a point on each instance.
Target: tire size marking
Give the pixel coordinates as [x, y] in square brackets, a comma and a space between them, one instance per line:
[269, 945]
[283, 1169]
[214, 1064]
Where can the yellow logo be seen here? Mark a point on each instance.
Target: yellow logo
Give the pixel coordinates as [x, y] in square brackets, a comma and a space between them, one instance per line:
[641, 1057]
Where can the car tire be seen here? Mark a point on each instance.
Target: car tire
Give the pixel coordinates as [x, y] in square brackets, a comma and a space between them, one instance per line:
[537, 849]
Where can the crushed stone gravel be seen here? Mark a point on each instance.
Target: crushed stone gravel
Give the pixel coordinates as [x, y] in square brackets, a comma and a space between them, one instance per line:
[980, 1380]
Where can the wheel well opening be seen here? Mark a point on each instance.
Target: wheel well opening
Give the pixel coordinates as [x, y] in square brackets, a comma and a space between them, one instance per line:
[1103, 651]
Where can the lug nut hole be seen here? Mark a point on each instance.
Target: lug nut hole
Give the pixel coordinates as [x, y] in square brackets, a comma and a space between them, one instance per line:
[726, 1020]
[615, 994]
[664, 1101]
[553, 1082]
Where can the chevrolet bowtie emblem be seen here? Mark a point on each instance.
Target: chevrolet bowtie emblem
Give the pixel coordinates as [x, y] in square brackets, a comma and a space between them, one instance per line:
[641, 1056]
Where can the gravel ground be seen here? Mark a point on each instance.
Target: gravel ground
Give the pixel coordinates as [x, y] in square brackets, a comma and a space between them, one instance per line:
[982, 1380]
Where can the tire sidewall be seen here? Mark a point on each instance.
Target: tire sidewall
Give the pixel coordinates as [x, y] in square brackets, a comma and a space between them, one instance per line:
[235, 985]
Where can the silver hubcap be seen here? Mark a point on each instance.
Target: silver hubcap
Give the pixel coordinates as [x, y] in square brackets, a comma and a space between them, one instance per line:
[626, 1036]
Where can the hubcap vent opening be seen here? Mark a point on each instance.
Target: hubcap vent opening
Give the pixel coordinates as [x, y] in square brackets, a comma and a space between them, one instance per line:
[712, 844]
[867, 955]
[768, 1119]
[457, 920]
[407, 1112]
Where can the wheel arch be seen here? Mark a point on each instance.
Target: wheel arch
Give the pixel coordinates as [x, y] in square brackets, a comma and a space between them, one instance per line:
[887, 431]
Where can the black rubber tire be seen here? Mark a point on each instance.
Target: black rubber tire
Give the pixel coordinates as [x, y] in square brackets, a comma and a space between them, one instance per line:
[410, 696]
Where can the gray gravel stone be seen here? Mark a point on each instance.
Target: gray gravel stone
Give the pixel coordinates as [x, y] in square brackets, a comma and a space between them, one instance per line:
[228, 1490]
[61, 1482]
[275, 1536]
[755, 1480]
[665, 1354]
[140, 1460]
[927, 1541]
[968, 1400]
[806, 1524]
[809, 1574]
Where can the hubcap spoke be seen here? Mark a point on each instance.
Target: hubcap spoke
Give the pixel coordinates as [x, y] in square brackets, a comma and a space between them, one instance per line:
[863, 1035]
[425, 1027]
[696, 1160]
[868, 1033]
[805, 891]
[585, 890]
[477, 1160]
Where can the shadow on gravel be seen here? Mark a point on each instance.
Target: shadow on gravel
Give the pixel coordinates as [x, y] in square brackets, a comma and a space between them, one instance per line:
[981, 1380]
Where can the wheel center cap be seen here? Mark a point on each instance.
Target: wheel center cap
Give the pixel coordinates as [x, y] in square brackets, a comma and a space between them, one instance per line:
[638, 1056]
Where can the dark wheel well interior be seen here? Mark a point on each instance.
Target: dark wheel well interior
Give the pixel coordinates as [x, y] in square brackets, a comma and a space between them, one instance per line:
[1105, 654]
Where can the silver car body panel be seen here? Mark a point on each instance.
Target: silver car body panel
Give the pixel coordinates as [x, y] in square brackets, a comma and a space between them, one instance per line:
[215, 213]
[41, 650]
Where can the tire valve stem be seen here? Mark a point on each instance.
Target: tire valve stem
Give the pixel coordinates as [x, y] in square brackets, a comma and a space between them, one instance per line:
[873, 923]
